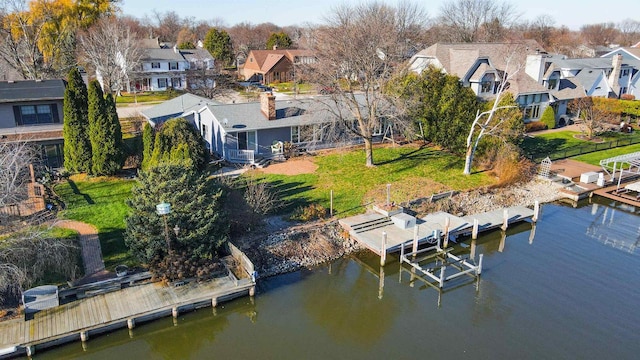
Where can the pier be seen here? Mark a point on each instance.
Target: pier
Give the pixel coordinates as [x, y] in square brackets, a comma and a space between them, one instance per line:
[126, 308]
[389, 233]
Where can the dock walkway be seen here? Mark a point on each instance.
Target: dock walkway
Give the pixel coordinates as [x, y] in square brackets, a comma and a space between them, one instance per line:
[378, 233]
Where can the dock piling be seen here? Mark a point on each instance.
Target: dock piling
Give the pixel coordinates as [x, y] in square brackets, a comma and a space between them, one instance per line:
[31, 350]
[131, 323]
[175, 312]
[383, 249]
[536, 211]
[479, 271]
[505, 220]
[447, 223]
[416, 231]
[84, 336]
[474, 232]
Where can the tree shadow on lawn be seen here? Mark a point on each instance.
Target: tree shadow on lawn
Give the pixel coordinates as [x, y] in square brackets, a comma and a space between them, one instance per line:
[536, 146]
[114, 249]
[291, 192]
[75, 190]
[413, 157]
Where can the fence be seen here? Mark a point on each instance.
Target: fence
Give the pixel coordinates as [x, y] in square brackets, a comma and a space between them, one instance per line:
[584, 149]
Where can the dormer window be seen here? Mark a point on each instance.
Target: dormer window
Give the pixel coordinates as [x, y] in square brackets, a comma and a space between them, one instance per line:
[487, 83]
[155, 65]
[173, 66]
[624, 72]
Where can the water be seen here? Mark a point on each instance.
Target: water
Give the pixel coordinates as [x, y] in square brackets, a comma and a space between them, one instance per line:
[570, 293]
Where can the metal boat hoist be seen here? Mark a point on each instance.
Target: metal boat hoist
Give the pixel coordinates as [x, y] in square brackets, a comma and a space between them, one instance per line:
[435, 265]
[628, 163]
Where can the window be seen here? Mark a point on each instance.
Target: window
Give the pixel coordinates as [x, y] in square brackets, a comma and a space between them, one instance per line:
[53, 155]
[155, 65]
[295, 134]
[624, 72]
[487, 82]
[531, 112]
[176, 82]
[204, 132]
[173, 66]
[162, 83]
[36, 114]
[552, 84]
[623, 90]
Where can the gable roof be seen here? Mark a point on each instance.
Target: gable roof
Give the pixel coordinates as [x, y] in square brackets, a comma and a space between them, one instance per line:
[162, 54]
[176, 107]
[31, 90]
[193, 55]
[266, 59]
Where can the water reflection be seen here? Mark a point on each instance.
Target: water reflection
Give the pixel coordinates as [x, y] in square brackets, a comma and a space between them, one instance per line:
[607, 228]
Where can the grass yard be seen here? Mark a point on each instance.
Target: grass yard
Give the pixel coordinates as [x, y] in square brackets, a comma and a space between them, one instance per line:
[287, 88]
[100, 202]
[412, 171]
[553, 142]
[594, 158]
[148, 96]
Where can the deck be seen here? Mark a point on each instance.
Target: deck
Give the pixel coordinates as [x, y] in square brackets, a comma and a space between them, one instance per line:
[379, 234]
[106, 312]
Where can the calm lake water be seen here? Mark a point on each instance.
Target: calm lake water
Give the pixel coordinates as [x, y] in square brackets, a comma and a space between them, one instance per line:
[571, 292]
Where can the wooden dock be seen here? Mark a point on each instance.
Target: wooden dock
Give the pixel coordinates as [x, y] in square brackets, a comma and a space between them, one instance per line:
[378, 232]
[87, 317]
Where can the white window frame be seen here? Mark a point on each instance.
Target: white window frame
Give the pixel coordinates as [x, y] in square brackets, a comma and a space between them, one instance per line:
[155, 65]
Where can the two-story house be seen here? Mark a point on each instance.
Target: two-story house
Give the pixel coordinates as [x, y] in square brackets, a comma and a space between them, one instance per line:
[165, 68]
[629, 77]
[268, 66]
[32, 111]
[484, 66]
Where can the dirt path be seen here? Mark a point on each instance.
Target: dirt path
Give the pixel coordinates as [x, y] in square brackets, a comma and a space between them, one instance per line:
[91, 250]
[292, 167]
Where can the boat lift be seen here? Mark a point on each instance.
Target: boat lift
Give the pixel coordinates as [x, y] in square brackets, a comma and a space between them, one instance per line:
[439, 261]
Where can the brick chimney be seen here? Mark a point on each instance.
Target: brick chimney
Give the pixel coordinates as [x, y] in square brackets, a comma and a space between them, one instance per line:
[268, 105]
[616, 62]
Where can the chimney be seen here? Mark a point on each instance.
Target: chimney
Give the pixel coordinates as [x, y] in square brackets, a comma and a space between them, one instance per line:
[268, 105]
[616, 62]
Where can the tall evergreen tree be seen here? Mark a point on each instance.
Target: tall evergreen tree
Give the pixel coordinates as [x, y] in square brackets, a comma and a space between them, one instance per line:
[104, 132]
[195, 208]
[218, 43]
[148, 139]
[281, 40]
[178, 141]
[77, 147]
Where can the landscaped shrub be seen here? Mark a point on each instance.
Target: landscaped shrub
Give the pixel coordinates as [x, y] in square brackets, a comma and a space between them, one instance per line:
[309, 212]
[627, 97]
[549, 117]
[511, 168]
[535, 126]
[180, 265]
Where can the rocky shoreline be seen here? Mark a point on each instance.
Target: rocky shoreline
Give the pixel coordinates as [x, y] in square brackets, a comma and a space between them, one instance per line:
[309, 245]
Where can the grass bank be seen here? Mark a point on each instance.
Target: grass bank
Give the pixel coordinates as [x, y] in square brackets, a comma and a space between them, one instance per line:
[412, 171]
[101, 203]
[148, 96]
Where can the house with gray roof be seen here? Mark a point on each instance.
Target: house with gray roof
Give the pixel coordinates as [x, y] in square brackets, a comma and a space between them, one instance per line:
[483, 66]
[183, 106]
[629, 78]
[32, 111]
[165, 68]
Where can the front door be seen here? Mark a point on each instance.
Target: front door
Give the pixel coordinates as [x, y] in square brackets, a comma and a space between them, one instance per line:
[247, 140]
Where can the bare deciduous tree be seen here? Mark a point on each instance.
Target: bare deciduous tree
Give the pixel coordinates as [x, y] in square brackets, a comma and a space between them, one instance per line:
[357, 52]
[26, 253]
[475, 20]
[112, 50]
[629, 32]
[592, 118]
[599, 34]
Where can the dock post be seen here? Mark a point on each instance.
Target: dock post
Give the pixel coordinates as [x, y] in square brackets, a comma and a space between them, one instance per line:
[381, 284]
[31, 350]
[447, 223]
[474, 232]
[84, 336]
[505, 219]
[175, 312]
[479, 271]
[401, 252]
[383, 249]
[442, 269]
[131, 323]
[532, 234]
[473, 249]
[536, 211]
[252, 291]
[503, 238]
[214, 301]
[331, 206]
[416, 231]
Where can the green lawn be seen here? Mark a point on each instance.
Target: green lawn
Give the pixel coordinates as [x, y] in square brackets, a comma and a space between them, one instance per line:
[554, 142]
[412, 172]
[149, 96]
[100, 202]
[595, 157]
[287, 88]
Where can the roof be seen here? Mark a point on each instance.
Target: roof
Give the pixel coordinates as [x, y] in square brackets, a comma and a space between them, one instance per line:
[583, 63]
[521, 83]
[248, 116]
[31, 90]
[149, 43]
[262, 57]
[162, 54]
[176, 107]
[271, 61]
[568, 90]
[193, 55]
[458, 58]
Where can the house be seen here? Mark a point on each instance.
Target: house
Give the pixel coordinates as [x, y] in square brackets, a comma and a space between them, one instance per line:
[184, 106]
[268, 66]
[164, 67]
[628, 79]
[482, 67]
[32, 110]
[246, 132]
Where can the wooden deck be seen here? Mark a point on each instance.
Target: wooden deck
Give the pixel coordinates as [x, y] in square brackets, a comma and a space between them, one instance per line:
[109, 311]
[369, 229]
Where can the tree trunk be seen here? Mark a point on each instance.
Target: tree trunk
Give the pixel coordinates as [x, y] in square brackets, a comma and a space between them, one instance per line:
[468, 160]
[368, 150]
